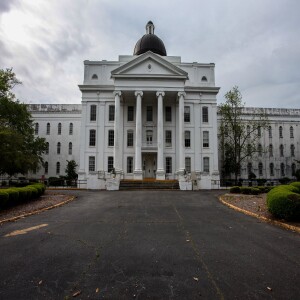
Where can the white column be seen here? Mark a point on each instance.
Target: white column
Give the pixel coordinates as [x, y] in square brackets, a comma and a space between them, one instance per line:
[117, 146]
[181, 149]
[160, 172]
[138, 173]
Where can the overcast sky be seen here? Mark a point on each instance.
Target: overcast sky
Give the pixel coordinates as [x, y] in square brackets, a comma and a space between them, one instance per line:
[254, 44]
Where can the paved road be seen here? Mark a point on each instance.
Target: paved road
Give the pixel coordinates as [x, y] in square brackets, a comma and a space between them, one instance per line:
[147, 245]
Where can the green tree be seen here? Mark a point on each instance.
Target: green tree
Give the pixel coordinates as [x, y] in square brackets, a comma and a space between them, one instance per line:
[238, 135]
[20, 150]
[71, 170]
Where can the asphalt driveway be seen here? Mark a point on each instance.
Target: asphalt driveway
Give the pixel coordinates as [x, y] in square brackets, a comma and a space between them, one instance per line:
[147, 245]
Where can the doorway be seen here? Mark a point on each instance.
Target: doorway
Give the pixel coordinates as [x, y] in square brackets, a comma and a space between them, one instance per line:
[149, 165]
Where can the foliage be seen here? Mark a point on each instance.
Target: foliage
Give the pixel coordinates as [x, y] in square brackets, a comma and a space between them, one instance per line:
[284, 180]
[238, 138]
[3, 198]
[20, 150]
[71, 170]
[283, 201]
[235, 190]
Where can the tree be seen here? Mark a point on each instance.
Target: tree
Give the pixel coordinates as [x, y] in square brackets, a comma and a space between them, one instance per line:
[238, 136]
[20, 151]
[71, 170]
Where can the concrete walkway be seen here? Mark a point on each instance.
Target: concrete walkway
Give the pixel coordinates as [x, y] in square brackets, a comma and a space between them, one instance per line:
[147, 245]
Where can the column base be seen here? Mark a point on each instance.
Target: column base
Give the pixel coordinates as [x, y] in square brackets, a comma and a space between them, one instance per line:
[160, 175]
[138, 174]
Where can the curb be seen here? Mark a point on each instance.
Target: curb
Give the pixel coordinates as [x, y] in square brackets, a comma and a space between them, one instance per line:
[249, 213]
[37, 211]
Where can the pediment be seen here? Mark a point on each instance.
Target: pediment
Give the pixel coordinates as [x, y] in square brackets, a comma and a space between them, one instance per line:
[149, 65]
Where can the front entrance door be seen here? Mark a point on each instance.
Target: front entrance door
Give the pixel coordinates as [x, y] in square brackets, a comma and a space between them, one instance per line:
[149, 165]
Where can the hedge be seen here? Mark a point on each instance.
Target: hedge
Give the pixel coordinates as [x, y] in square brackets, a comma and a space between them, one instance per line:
[283, 201]
[250, 190]
[13, 196]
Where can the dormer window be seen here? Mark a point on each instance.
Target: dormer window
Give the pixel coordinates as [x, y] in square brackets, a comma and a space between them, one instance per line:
[95, 77]
[204, 78]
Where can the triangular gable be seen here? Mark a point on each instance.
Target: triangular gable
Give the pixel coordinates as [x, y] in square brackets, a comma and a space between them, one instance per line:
[149, 65]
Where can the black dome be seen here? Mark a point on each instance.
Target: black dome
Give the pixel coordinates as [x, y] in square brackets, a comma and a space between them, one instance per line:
[150, 42]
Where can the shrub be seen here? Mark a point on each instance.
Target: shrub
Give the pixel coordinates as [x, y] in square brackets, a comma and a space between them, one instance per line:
[22, 194]
[13, 196]
[34, 191]
[235, 189]
[283, 202]
[297, 185]
[255, 191]
[40, 188]
[3, 198]
[246, 190]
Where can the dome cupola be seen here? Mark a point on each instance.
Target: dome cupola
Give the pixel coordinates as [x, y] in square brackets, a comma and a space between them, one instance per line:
[150, 42]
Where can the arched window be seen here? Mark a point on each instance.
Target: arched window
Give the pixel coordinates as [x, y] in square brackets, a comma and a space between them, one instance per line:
[259, 150]
[57, 167]
[282, 171]
[281, 150]
[46, 167]
[260, 169]
[293, 169]
[292, 150]
[280, 132]
[95, 76]
[48, 129]
[47, 148]
[204, 78]
[271, 150]
[59, 129]
[71, 129]
[70, 148]
[36, 128]
[58, 147]
[271, 169]
[291, 132]
[259, 131]
[249, 168]
[270, 131]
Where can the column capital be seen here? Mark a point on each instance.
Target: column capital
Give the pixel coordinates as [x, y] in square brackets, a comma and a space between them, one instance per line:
[160, 93]
[181, 94]
[138, 93]
[117, 93]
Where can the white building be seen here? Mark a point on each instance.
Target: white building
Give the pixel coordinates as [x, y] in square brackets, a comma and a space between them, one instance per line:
[149, 115]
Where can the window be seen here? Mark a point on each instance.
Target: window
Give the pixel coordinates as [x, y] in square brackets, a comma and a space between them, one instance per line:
[248, 130]
[259, 131]
[187, 114]
[282, 171]
[59, 129]
[57, 167]
[93, 112]
[48, 129]
[129, 164]
[71, 129]
[249, 168]
[281, 150]
[187, 139]
[168, 110]
[260, 169]
[292, 150]
[111, 113]
[206, 164]
[291, 132]
[36, 128]
[149, 114]
[46, 167]
[168, 138]
[111, 137]
[130, 114]
[271, 150]
[270, 131]
[205, 114]
[280, 132]
[203, 78]
[47, 148]
[188, 164]
[95, 76]
[129, 138]
[92, 163]
[259, 149]
[149, 135]
[205, 139]
[293, 169]
[168, 165]
[110, 163]
[70, 148]
[271, 169]
[58, 147]
[92, 137]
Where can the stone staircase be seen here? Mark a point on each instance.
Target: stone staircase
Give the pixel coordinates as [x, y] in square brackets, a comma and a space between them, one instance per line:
[127, 184]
